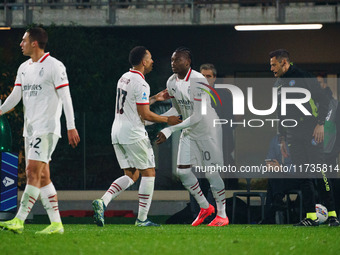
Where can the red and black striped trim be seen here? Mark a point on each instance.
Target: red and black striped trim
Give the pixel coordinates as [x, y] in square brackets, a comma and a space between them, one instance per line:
[141, 205]
[116, 186]
[17, 84]
[30, 197]
[142, 103]
[194, 186]
[143, 196]
[221, 192]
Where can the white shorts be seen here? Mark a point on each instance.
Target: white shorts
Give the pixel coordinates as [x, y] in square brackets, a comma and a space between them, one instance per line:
[40, 148]
[137, 155]
[200, 152]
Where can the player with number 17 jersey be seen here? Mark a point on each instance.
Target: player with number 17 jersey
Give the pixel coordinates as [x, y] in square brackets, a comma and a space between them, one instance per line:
[132, 90]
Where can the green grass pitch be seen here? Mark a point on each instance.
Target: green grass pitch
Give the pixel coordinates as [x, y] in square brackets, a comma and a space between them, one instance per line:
[115, 239]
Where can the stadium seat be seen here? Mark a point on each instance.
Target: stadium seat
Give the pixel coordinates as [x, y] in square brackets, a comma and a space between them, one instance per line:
[248, 194]
[289, 202]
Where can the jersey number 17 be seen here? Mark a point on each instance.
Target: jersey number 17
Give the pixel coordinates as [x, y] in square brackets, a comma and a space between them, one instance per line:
[121, 100]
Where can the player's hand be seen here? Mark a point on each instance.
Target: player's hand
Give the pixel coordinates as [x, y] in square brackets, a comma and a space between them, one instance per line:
[318, 133]
[161, 138]
[174, 120]
[283, 148]
[73, 137]
[162, 96]
[0, 112]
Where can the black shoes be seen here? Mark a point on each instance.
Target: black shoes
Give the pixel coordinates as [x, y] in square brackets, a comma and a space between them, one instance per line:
[333, 221]
[307, 222]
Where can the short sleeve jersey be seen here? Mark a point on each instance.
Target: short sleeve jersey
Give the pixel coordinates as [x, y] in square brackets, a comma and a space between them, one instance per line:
[132, 90]
[39, 82]
[184, 92]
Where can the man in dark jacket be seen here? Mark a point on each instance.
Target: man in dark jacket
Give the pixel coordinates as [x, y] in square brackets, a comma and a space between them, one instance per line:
[305, 140]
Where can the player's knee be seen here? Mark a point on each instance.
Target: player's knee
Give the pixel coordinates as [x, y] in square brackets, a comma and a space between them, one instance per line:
[150, 172]
[182, 172]
[44, 180]
[32, 175]
[134, 178]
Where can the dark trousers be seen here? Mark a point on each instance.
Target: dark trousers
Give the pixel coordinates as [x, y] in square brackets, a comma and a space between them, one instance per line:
[276, 189]
[304, 152]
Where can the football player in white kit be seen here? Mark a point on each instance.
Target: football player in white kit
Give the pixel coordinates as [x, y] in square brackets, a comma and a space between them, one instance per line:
[42, 84]
[200, 143]
[129, 137]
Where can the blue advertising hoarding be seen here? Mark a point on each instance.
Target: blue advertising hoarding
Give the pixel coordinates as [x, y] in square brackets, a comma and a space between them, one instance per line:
[9, 182]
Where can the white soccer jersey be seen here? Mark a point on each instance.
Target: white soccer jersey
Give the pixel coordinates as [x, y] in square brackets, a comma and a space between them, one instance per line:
[128, 127]
[184, 94]
[39, 82]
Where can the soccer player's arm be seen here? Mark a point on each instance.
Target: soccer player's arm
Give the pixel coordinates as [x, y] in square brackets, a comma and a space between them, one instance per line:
[146, 114]
[171, 112]
[174, 110]
[319, 96]
[143, 109]
[63, 91]
[192, 120]
[14, 98]
[160, 96]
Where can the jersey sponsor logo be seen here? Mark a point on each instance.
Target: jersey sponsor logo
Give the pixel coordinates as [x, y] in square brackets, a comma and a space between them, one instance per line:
[185, 104]
[144, 96]
[7, 181]
[32, 89]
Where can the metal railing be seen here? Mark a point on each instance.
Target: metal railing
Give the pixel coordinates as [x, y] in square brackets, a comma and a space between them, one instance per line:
[27, 6]
[24, 4]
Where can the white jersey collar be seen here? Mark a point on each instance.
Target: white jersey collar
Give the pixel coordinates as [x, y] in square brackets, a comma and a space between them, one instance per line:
[137, 72]
[187, 76]
[41, 59]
